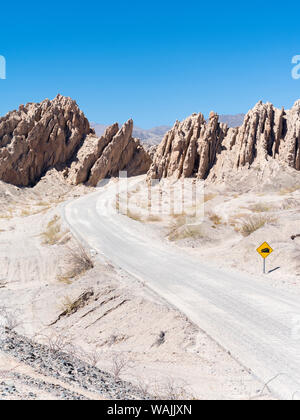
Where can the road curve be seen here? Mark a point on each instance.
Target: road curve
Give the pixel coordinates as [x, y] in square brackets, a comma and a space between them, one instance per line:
[252, 320]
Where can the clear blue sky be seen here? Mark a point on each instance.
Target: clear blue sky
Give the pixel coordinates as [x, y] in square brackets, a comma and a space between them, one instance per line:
[155, 62]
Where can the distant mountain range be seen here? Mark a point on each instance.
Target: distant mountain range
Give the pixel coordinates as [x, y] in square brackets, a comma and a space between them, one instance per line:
[233, 120]
[154, 136]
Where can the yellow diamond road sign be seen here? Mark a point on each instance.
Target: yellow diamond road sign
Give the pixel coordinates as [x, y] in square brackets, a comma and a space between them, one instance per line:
[264, 250]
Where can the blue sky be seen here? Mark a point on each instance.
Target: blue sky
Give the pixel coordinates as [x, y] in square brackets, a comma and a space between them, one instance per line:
[155, 62]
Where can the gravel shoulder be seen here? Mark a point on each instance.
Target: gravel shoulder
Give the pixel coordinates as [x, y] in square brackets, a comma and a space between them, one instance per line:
[33, 371]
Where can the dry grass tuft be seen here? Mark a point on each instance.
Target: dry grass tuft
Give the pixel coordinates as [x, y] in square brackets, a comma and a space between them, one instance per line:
[172, 390]
[209, 196]
[69, 306]
[120, 363]
[118, 203]
[134, 216]
[77, 262]
[25, 213]
[261, 208]
[7, 215]
[217, 220]
[153, 218]
[64, 279]
[252, 224]
[290, 190]
[53, 234]
[185, 232]
[289, 204]
[42, 203]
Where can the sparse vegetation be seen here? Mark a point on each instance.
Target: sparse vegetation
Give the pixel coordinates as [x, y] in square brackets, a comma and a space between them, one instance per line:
[186, 231]
[68, 305]
[209, 196]
[9, 320]
[93, 357]
[64, 279]
[42, 203]
[153, 218]
[117, 206]
[8, 214]
[172, 390]
[120, 364]
[31, 212]
[252, 224]
[57, 343]
[25, 213]
[290, 190]
[134, 216]
[77, 262]
[289, 204]
[53, 234]
[184, 226]
[261, 207]
[217, 220]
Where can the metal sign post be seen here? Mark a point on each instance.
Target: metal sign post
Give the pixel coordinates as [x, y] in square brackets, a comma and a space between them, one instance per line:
[264, 251]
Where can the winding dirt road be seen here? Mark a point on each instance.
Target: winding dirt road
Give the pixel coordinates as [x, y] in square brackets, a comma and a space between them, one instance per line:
[255, 322]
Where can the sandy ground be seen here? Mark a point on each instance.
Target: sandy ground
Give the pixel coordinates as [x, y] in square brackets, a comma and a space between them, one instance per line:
[119, 321]
[235, 221]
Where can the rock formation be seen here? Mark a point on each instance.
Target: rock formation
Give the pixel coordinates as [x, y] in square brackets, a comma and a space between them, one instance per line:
[266, 134]
[189, 148]
[212, 150]
[56, 133]
[39, 136]
[103, 157]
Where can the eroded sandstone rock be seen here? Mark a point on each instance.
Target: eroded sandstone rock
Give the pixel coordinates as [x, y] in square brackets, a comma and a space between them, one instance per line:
[56, 133]
[189, 148]
[39, 136]
[196, 148]
[102, 158]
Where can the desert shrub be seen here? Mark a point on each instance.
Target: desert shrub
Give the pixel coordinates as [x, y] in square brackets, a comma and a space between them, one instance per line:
[134, 216]
[289, 190]
[42, 203]
[93, 357]
[261, 207]
[120, 363]
[53, 234]
[171, 389]
[8, 214]
[69, 306]
[77, 261]
[209, 196]
[9, 320]
[252, 224]
[57, 343]
[217, 220]
[64, 279]
[185, 232]
[153, 218]
[25, 213]
[289, 204]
